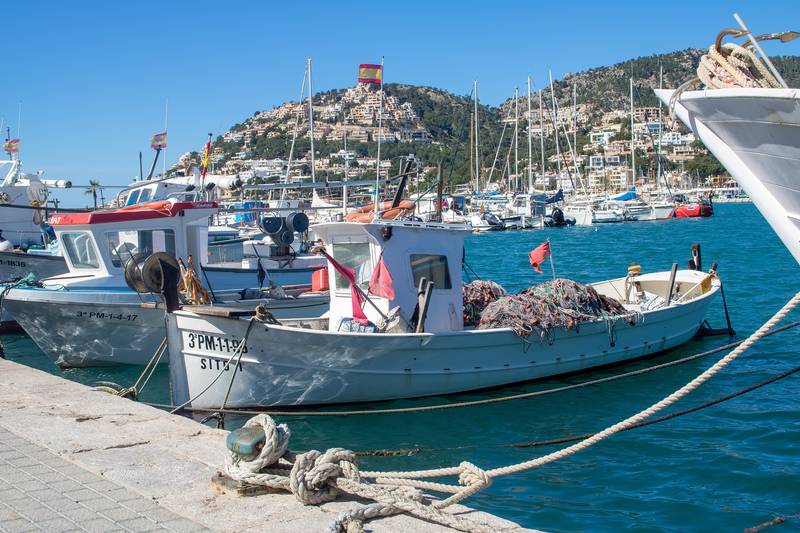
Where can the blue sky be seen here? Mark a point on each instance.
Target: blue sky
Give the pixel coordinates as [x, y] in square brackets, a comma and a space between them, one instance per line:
[93, 77]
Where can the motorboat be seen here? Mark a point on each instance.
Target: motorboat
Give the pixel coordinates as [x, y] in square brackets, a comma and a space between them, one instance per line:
[413, 340]
[90, 316]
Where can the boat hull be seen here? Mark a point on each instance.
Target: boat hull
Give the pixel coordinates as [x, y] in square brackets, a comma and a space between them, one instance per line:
[285, 366]
[755, 134]
[98, 328]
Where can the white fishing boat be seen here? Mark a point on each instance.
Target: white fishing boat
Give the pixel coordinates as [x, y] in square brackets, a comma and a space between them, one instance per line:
[89, 316]
[333, 359]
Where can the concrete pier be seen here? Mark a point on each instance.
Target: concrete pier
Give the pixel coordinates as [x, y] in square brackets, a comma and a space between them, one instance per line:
[76, 459]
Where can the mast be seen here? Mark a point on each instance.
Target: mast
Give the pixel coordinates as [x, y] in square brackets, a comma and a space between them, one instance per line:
[311, 123]
[346, 167]
[477, 142]
[530, 142]
[575, 118]
[380, 134]
[555, 125]
[516, 138]
[541, 131]
[633, 150]
[660, 127]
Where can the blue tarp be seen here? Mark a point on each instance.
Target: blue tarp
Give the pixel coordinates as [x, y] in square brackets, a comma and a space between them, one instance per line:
[557, 197]
[630, 194]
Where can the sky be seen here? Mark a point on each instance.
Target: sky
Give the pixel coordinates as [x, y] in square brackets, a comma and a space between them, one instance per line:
[94, 80]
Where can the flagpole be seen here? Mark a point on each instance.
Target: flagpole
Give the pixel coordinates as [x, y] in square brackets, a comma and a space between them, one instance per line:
[380, 134]
[166, 118]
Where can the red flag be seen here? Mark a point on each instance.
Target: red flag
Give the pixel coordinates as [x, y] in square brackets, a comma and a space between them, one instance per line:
[206, 153]
[380, 283]
[538, 255]
[356, 297]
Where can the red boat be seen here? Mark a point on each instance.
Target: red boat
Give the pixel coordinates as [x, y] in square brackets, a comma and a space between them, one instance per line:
[701, 208]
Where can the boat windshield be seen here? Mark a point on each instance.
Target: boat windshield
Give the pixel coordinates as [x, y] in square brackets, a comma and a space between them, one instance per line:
[80, 249]
[354, 255]
[133, 197]
[123, 244]
[431, 267]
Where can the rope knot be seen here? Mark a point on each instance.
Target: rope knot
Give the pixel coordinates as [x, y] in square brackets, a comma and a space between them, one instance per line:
[312, 476]
[473, 476]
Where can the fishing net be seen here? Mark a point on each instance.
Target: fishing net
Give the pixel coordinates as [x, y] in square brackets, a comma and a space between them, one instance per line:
[560, 303]
[477, 295]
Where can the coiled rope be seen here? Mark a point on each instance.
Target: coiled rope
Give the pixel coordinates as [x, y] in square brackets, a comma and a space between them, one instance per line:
[315, 477]
[731, 65]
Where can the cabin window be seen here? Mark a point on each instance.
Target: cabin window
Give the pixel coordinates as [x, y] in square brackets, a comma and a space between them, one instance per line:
[133, 197]
[80, 249]
[145, 195]
[123, 244]
[431, 267]
[354, 255]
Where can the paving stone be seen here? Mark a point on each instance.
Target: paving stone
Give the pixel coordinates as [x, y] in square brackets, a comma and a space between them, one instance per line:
[118, 514]
[16, 526]
[65, 485]
[182, 525]
[83, 494]
[99, 525]
[59, 525]
[7, 514]
[100, 504]
[138, 524]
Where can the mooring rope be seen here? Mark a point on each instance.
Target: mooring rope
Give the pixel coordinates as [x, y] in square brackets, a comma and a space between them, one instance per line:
[485, 401]
[315, 477]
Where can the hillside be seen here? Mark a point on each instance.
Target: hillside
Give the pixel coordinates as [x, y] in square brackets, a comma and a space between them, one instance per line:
[435, 125]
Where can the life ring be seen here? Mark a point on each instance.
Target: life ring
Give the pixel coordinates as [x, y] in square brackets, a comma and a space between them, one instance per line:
[387, 212]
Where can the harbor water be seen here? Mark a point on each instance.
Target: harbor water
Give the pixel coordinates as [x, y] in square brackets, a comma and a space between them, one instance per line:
[728, 467]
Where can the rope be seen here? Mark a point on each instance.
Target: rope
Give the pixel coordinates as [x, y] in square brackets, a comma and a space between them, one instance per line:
[315, 477]
[475, 403]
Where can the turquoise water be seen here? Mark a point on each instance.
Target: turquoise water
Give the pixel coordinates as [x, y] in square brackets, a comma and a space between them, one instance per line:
[728, 467]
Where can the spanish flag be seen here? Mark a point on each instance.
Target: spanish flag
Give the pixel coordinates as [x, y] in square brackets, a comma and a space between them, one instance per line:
[11, 146]
[158, 141]
[369, 73]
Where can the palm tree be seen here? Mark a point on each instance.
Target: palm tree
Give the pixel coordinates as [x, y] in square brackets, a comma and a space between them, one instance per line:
[92, 189]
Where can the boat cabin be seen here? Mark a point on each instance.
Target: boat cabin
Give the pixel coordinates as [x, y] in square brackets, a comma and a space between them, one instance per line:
[97, 245]
[410, 251]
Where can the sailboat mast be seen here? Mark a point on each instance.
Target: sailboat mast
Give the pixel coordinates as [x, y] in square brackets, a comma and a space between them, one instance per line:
[660, 127]
[516, 138]
[477, 143]
[555, 125]
[575, 118]
[311, 123]
[530, 141]
[633, 149]
[541, 131]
